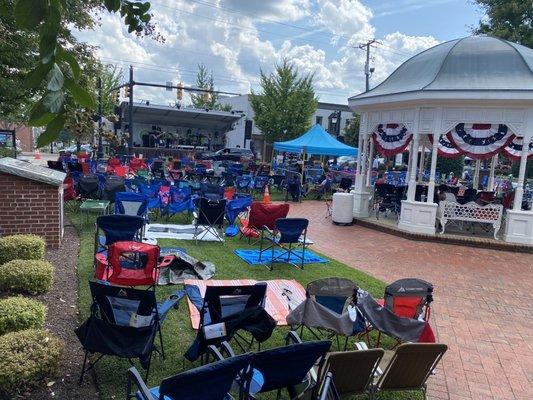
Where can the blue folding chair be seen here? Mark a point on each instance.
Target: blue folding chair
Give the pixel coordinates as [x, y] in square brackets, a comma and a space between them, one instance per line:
[131, 203]
[179, 201]
[243, 183]
[152, 192]
[259, 184]
[233, 209]
[287, 231]
[208, 382]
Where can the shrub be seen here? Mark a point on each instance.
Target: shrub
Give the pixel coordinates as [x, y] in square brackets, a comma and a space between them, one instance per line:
[21, 247]
[26, 276]
[19, 313]
[26, 358]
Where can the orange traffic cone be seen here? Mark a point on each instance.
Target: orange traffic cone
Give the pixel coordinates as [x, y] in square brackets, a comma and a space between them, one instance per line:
[266, 195]
[37, 154]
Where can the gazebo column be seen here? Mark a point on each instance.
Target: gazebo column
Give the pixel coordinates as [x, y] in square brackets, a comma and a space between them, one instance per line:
[433, 169]
[360, 192]
[475, 182]
[519, 228]
[421, 166]
[493, 163]
[416, 216]
[370, 162]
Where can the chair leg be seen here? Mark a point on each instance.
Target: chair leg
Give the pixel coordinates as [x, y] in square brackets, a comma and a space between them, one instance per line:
[161, 342]
[80, 381]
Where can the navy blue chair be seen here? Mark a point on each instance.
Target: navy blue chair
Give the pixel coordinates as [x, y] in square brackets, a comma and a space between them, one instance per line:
[131, 203]
[288, 235]
[179, 201]
[233, 209]
[116, 228]
[208, 382]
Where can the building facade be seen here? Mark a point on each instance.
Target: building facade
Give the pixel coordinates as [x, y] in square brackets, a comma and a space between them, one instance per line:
[332, 117]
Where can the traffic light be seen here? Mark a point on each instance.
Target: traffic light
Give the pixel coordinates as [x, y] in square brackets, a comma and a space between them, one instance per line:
[179, 91]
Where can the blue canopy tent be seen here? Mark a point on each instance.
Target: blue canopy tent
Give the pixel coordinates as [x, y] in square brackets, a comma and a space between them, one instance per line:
[316, 141]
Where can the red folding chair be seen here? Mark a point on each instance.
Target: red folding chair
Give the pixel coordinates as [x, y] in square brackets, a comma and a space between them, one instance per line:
[262, 215]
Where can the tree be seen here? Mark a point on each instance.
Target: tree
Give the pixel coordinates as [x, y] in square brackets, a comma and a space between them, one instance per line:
[56, 78]
[351, 131]
[447, 165]
[111, 77]
[507, 19]
[208, 99]
[284, 108]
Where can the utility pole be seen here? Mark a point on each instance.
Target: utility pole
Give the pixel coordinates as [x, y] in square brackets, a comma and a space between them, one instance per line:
[100, 150]
[130, 109]
[368, 70]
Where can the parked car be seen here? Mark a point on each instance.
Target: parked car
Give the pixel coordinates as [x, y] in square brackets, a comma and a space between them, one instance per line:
[84, 147]
[233, 154]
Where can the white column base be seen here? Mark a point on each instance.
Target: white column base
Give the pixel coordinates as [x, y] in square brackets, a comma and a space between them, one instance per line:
[418, 217]
[360, 204]
[519, 227]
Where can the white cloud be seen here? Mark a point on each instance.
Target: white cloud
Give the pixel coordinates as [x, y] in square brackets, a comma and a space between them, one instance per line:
[278, 10]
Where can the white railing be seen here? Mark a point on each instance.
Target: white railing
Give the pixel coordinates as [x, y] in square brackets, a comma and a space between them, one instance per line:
[470, 212]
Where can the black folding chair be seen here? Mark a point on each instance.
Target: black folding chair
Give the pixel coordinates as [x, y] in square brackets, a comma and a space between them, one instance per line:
[212, 191]
[123, 322]
[210, 215]
[113, 185]
[287, 231]
[208, 382]
[88, 187]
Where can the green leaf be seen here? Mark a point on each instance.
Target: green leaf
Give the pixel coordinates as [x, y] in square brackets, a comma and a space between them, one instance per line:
[39, 116]
[144, 7]
[53, 101]
[81, 96]
[62, 54]
[30, 13]
[146, 18]
[55, 79]
[112, 5]
[36, 76]
[52, 130]
[47, 46]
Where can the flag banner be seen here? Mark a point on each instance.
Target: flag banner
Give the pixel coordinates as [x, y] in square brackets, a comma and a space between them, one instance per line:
[391, 139]
[480, 141]
[446, 148]
[514, 149]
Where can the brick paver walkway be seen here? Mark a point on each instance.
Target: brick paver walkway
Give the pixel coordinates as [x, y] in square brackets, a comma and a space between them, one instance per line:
[483, 308]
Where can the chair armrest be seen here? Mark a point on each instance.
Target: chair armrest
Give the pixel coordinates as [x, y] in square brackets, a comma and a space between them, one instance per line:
[266, 228]
[135, 378]
[292, 337]
[226, 347]
[215, 352]
[171, 301]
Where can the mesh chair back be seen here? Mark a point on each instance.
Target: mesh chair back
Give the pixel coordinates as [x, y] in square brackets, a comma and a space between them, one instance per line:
[407, 297]
[411, 366]
[291, 229]
[211, 212]
[133, 263]
[350, 381]
[130, 203]
[119, 227]
[263, 214]
[88, 187]
[287, 366]
[223, 301]
[208, 382]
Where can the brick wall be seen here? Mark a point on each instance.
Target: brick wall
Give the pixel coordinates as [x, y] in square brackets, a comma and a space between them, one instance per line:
[28, 206]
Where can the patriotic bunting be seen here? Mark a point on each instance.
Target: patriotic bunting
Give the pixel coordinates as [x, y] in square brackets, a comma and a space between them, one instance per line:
[446, 148]
[391, 139]
[514, 149]
[480, 141]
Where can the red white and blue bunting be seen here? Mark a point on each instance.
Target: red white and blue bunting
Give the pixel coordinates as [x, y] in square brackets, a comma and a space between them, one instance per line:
[480, 141]
[514, 149]
[391, 139]
[446, 148]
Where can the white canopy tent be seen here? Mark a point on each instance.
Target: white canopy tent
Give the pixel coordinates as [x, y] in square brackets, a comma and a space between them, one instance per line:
[476, 92]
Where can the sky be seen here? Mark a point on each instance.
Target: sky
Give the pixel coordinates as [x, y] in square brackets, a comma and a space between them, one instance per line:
[236, 39]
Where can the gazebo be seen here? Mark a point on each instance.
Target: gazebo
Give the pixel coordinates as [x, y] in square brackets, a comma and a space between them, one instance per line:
[473, 96]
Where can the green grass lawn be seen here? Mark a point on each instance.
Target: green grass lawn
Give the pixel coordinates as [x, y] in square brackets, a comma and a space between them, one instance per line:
[177, 331]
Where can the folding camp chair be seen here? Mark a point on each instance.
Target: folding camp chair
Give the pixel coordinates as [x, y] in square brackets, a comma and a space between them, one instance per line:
[129, 263]
[113, 185]
[410, 298]
[158, 169]
[287, 231]
[131, 203]
[179, 201]
[115, 228]
[88, 187]
[234, 208]
[410, 367]
[123, 322]
[112, 164]
[243, 183]
[328, 311]
[259, 183]
[137, 164]
[262, 215]
[288, 367]
[210, 215]
[152, 192]
[208, 382]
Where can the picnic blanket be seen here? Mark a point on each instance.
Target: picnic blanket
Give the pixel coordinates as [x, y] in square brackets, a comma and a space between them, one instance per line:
[252, 256]
[277, 296]
[178, 232]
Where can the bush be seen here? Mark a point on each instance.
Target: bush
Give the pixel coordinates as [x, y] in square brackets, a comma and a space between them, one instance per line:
[19, 313]
[26, 358]
[26, 276]
[21, 247]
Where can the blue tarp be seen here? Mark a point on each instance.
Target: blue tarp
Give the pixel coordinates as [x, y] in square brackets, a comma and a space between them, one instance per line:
[316, 141]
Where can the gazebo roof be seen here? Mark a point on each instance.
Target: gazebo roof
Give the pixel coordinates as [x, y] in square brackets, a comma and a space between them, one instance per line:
[470, 64]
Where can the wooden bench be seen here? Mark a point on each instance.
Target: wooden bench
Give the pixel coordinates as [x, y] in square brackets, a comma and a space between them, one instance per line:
[470, 212]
